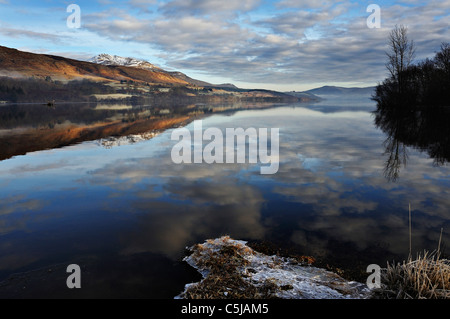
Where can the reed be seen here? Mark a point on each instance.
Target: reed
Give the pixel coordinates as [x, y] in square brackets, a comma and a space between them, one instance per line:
[426, 277]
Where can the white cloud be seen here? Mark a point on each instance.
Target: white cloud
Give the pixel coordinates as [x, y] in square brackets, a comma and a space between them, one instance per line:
[290, 42]
[209, 7]
[19, 33]
[307, 4]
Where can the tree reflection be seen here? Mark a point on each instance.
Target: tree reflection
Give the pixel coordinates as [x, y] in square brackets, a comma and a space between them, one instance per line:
[423, 128]
[397, 155]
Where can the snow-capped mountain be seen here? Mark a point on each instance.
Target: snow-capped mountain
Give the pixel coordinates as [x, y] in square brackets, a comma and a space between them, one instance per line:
[107, 59]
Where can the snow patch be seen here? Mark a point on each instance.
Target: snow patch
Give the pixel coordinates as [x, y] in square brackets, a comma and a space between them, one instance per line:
[107, 59]
[294, 280]
[113, 141]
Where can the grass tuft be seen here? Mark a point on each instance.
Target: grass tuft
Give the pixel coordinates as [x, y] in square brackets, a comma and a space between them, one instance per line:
[426, 277]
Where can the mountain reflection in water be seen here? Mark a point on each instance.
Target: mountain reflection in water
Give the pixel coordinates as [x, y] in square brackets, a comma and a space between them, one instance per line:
[33, 127]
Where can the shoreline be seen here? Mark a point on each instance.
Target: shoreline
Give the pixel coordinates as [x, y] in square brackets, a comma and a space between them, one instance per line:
[232, 270]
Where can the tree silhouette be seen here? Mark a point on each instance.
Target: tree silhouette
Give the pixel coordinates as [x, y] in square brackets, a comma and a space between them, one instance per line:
[401, 54]
[413, 104]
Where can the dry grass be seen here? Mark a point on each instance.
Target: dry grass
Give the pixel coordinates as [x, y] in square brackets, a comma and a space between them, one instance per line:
[426, 277]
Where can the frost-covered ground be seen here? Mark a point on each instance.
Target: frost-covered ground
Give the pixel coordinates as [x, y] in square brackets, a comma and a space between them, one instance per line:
[288, 278]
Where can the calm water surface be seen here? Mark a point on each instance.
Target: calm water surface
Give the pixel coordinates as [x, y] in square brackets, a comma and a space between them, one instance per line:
[124, 212]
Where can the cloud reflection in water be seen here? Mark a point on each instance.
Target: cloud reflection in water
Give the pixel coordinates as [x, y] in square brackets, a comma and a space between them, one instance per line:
[329, 197]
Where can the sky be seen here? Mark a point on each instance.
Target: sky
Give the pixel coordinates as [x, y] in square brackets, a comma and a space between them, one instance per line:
[285, 45]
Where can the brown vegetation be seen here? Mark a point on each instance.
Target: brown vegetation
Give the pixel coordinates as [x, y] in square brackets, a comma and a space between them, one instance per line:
[427, 277]
[29, 140]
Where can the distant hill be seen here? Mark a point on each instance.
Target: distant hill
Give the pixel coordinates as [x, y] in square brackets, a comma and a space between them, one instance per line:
[225, 85]
[33, 77]
[304, 95]
[336, 90]
[15, 63]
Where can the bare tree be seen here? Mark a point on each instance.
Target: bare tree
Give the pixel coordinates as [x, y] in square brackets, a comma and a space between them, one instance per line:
[442, 58]
[401, 53]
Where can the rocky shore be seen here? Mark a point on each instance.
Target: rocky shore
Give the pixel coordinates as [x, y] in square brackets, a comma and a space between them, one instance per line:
[231, 269]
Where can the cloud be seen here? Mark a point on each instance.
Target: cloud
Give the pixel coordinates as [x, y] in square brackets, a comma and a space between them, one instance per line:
[142, 4]
[280, 53]
[27, 168]
[223, 209]
[18, 203]
[330, 186]
[208, 7]
[306, 4]
[19, 33]
[282, 43]
[293, 23]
